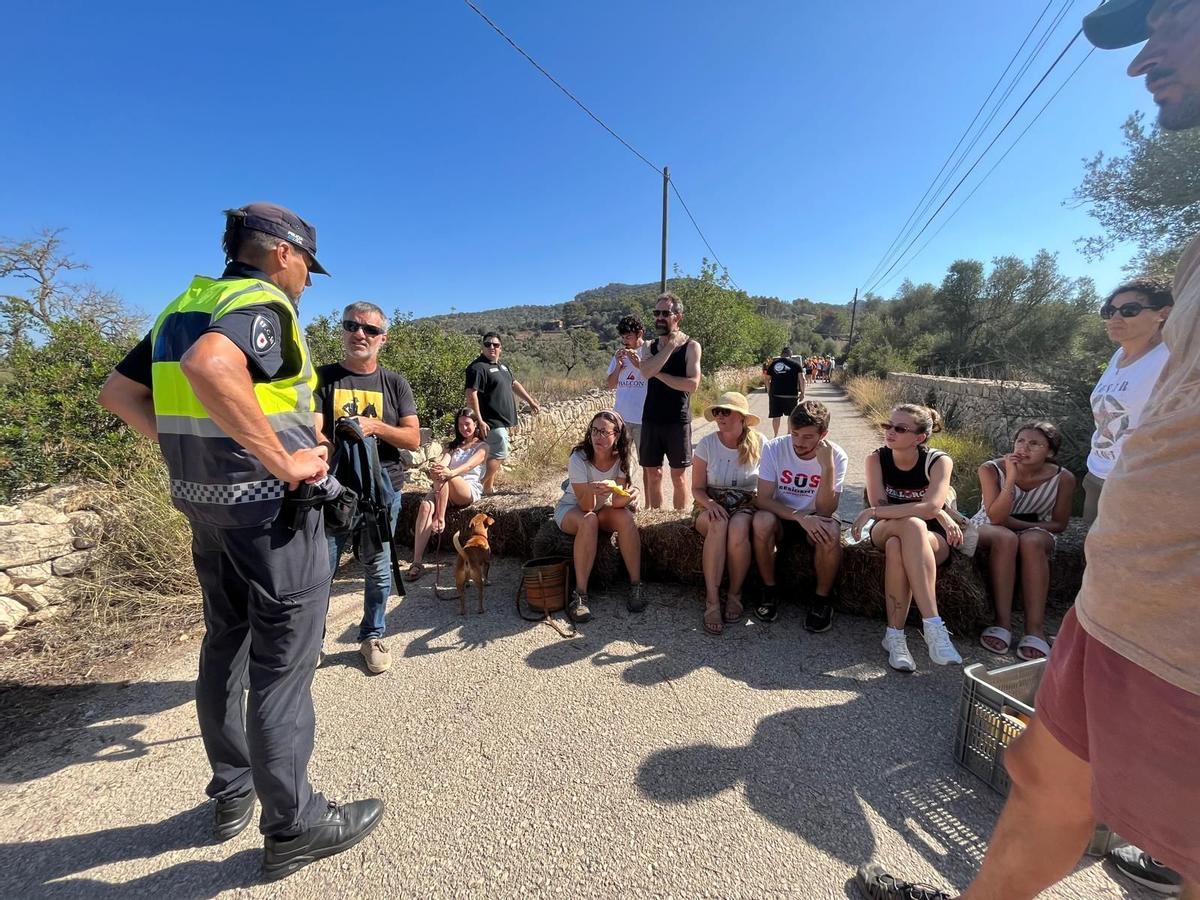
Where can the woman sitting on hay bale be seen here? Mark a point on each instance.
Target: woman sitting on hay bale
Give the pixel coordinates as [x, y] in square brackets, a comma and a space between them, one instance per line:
[456, 480]
[1026, 502]
[598, 496]
[907, 487]
[724, 481]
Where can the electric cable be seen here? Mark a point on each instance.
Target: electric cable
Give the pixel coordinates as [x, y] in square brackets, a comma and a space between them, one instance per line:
[977, 161]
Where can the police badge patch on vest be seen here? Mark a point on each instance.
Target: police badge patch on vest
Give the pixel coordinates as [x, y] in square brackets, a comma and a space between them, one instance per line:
[262, 335]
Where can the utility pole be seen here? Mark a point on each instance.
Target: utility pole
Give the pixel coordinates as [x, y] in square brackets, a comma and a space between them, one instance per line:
[853, 312]
[662, 281]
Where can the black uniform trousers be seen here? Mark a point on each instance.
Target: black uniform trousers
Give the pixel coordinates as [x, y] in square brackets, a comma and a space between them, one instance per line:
[266, 593]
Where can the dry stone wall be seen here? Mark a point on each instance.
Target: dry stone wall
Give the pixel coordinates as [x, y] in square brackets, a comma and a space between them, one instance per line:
[46, 540]
[993, 409]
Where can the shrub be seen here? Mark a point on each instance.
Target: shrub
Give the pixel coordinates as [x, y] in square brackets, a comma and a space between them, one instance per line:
[969, 451]
[49, 418]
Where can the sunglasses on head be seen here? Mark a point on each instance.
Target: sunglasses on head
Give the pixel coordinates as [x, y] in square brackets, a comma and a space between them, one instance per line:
[368, 330]
[1127, 310]
[492, 345]
[899, 429]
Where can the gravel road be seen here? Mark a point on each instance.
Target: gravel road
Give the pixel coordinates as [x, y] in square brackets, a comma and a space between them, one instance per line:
[643, 758]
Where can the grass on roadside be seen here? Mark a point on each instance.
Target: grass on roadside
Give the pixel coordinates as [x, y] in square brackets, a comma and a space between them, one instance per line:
[875, 398]
[540, 451]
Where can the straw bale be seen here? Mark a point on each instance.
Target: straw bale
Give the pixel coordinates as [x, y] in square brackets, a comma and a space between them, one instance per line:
[551, 540]
[672, 550]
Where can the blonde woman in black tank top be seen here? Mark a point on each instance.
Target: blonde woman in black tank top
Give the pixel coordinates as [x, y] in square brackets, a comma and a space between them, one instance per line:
[907, 521]
[1026, 502]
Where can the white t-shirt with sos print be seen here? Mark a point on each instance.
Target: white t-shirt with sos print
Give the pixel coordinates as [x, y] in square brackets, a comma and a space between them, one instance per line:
[796, 480]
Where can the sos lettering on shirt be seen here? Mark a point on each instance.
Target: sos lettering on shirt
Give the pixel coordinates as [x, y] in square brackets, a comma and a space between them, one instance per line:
[788, 478]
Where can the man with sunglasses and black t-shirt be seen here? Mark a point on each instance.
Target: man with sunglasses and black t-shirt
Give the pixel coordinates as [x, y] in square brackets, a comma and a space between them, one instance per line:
[491, 392]
[381, 401]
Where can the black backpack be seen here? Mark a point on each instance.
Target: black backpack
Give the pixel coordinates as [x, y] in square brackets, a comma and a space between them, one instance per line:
[356, 465]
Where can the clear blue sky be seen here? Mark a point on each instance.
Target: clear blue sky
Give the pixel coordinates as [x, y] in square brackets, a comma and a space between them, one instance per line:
[443, 171]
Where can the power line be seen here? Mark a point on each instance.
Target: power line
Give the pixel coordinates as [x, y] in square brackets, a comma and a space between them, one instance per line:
[978, 160]
[671, 181]
[996, 164]
[901, 234]
[603, 125]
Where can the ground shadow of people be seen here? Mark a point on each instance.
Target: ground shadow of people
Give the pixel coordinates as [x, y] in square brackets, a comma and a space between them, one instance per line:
[45, 728]
[825, 771]
[43, 868]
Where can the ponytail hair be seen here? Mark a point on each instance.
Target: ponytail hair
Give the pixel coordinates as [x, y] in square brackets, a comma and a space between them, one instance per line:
[927, 419]
[749, 446]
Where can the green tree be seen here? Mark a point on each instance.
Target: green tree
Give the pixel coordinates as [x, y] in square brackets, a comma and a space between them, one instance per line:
[1148, 195]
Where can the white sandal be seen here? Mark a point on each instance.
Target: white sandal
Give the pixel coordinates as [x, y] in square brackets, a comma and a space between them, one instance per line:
[1032, 642]
[1000, 634]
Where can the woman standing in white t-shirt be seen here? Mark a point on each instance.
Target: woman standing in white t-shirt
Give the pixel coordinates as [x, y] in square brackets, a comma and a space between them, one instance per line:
[724, 481]
[597, 496]
[1133, 315]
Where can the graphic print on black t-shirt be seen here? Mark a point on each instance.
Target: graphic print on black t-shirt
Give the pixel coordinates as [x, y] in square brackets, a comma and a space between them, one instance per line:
[785, 373]
[356, 401]
[383, 394]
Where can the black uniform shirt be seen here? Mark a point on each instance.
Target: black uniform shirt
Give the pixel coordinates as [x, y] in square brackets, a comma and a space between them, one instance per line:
[255, 330]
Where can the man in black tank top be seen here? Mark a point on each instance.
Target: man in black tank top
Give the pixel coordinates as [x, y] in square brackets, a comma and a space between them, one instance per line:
[672, 374]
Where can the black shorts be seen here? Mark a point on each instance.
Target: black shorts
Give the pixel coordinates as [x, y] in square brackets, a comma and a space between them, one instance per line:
[781, 405]
[672, 440]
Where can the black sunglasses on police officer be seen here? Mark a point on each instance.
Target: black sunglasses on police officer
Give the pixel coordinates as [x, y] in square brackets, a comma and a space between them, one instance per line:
[368, 330]
[1127, 310]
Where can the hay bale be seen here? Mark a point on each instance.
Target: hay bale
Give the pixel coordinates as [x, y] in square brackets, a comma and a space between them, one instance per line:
[517, 521]
[551, 540]
[962, 597]
[672, 550]
[1066, 568]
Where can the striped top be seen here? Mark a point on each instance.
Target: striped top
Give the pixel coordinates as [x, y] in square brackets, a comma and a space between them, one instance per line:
[1034, 505]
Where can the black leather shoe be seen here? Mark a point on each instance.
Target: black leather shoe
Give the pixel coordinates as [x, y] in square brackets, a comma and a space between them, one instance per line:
[340, 828]
[232, 816]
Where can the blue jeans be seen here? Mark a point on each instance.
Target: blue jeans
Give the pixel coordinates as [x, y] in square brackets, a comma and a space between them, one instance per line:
[378, 578]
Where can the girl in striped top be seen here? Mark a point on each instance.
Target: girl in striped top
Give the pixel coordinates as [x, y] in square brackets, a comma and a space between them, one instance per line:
[1026, 502]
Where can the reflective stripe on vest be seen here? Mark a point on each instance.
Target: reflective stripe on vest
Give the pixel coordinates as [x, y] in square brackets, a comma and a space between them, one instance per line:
[214, 480]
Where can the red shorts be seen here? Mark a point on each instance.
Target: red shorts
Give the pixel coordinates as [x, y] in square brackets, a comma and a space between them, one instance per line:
[1141, 736]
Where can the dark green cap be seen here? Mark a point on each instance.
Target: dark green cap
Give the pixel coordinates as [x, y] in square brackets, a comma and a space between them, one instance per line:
[1118, 23]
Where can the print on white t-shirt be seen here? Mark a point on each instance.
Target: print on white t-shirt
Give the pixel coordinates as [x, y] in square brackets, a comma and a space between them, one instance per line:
[630, 389]
[1117, 403]
[796, 480]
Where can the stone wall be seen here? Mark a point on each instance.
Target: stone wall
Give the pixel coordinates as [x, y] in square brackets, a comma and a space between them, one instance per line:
[46, 540]
[993, 409]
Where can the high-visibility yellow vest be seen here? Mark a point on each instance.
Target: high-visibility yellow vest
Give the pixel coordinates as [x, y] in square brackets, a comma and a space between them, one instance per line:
[214, 480]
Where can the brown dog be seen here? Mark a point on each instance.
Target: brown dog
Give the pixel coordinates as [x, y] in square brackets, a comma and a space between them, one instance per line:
[474, 558]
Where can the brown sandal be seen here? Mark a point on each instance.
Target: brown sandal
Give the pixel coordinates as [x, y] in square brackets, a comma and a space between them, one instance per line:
[415, 572]
[734, 610]
[712, 620]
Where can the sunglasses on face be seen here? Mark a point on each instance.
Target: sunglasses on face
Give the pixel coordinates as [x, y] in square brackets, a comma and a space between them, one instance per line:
[1127, 310]
[369, 330]
[899, 429]
[721, 413]
[662, 313]
[492, 345]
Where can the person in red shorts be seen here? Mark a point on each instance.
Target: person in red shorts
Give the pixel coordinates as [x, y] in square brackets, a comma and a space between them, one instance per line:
[1116, 737]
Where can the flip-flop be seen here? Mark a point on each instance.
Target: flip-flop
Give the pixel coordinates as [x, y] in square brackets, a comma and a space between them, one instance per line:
[415, 572]
[1032, 642]
[1001, 634]
[713, 627]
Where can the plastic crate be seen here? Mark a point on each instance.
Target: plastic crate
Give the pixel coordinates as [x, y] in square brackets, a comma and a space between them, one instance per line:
[988, 723]
[984, 730]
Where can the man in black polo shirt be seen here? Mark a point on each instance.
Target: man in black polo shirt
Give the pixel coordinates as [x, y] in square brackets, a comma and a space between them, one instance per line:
[785, 386]
[490, 389]
[382, 402]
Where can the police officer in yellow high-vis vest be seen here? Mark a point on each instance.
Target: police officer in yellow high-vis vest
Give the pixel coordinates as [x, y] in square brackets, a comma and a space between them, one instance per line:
[224, 383]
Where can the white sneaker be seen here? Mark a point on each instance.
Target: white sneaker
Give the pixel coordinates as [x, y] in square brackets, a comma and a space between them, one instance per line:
[898, 656]
[941, 651]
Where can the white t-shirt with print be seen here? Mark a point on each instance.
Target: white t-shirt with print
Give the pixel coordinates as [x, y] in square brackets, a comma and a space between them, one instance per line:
[725, 470]
[1117, 402]
[796, 480]
[630, 389]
